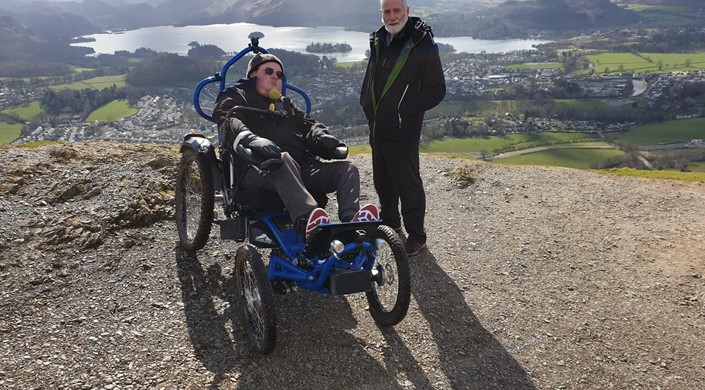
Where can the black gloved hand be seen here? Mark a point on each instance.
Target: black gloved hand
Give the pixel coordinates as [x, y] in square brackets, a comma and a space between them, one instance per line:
[328, 142]
[264, 147]
[258, 145]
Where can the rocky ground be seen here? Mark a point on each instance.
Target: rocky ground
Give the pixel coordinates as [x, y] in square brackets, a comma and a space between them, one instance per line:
[534, 278]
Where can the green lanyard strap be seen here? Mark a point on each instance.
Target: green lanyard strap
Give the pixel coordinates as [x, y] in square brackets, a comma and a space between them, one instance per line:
[398, 66]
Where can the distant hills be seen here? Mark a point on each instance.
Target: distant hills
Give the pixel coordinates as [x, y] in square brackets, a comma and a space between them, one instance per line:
[25, 53]
[565, 14]
[110, 14]
[38, 29]
[92, 15]
[14, 37]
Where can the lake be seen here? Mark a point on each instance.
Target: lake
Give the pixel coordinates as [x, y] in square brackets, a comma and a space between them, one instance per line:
[233, 38]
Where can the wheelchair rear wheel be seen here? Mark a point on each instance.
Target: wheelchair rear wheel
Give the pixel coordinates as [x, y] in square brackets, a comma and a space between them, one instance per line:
[391, 285]
[255, 297]
[195, 198]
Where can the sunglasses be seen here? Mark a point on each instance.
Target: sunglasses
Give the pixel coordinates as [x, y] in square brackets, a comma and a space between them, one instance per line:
[270, 71]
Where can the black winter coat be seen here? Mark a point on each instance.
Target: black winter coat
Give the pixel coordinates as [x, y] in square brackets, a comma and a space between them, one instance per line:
[298, 134]
[395, 110]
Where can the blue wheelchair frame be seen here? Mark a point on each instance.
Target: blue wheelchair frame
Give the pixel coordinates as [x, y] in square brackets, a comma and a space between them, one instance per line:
[310, 264]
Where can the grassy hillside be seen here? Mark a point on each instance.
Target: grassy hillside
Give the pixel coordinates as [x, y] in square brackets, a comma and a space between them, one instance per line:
[646, 62]
[668, 175]
[569, 158]
[113, 111]
[507, 142]
[94, 83]
[9, 132]
[675, 131]
[25, 111]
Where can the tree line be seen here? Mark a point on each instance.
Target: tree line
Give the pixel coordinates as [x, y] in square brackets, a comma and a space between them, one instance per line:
[319, 47]
[83, 102]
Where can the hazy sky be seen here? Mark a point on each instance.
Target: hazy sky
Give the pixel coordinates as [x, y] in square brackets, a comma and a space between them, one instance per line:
[111, 2]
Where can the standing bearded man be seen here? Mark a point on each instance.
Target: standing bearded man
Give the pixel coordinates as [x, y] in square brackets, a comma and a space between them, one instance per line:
[404, 79]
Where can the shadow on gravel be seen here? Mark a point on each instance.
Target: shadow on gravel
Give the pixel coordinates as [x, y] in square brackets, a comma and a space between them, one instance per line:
[313, 338]
[311, 332]
[471, 358]
[207, 330]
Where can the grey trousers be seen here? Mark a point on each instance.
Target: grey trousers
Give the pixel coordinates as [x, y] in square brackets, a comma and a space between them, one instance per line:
[295, 184]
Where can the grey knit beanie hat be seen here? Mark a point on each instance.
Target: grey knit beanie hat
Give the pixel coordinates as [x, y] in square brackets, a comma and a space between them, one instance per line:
[259, 59]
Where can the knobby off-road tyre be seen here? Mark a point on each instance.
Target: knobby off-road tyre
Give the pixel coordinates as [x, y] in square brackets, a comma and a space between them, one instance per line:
[391, 285]
[195, 197]
[255, 297]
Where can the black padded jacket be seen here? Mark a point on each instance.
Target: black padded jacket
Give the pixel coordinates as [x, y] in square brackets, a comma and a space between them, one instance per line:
[403, 81]
[297, 134]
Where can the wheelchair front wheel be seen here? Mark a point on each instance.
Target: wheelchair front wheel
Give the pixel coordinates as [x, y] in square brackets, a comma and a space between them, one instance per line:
[195, 198]
[255, 297]
[391, 281]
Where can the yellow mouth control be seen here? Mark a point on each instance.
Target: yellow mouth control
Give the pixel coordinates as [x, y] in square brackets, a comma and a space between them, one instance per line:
[274, 94]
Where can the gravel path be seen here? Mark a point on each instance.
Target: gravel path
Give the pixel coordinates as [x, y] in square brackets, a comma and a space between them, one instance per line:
[535, 278]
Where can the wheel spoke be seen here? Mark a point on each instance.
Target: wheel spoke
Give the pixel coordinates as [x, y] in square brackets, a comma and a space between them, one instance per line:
[391, 292]
[194, 200]
[253, 301]
[256, 297]
[388, 290]
[194, 193]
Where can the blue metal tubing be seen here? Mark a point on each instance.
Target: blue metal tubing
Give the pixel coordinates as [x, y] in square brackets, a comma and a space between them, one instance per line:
[222, 77]
[300, 92]
[288, 240]
[280, 268]
[224, 70]
[197, 95]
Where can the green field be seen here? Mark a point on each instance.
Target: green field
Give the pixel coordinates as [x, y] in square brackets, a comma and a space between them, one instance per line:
[360, 149]
[94, 83]
[25, 111]
[674, 131]
[646, 62]
[453, 108]
[113, 111]
[562, 157]
[669, 175]
[350, 64]
[9, 132]
[583, 104]
[509, 142]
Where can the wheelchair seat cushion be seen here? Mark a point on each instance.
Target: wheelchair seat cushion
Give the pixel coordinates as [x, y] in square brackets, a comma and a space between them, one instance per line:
[260, 199]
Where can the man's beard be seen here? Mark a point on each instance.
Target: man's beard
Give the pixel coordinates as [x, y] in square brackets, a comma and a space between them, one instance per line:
[395, 29]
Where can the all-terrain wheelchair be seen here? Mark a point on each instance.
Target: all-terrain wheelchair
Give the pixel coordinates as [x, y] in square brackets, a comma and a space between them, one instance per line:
[337, 258]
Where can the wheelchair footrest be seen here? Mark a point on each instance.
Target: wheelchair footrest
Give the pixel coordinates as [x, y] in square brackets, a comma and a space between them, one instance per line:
[233, 228]
[346, 281]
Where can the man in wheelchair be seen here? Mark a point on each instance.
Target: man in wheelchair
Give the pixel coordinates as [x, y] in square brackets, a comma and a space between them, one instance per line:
[294, 137]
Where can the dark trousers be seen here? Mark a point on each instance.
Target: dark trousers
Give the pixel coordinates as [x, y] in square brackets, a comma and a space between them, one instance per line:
[395, 168]
[293, 184]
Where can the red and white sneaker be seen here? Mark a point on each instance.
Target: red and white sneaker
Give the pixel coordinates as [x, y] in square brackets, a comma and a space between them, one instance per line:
[367, 213]
[318, 216]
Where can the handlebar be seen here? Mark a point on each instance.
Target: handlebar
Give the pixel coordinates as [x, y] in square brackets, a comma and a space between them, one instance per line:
[231, 111]
[263, 165]
[339, 153]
